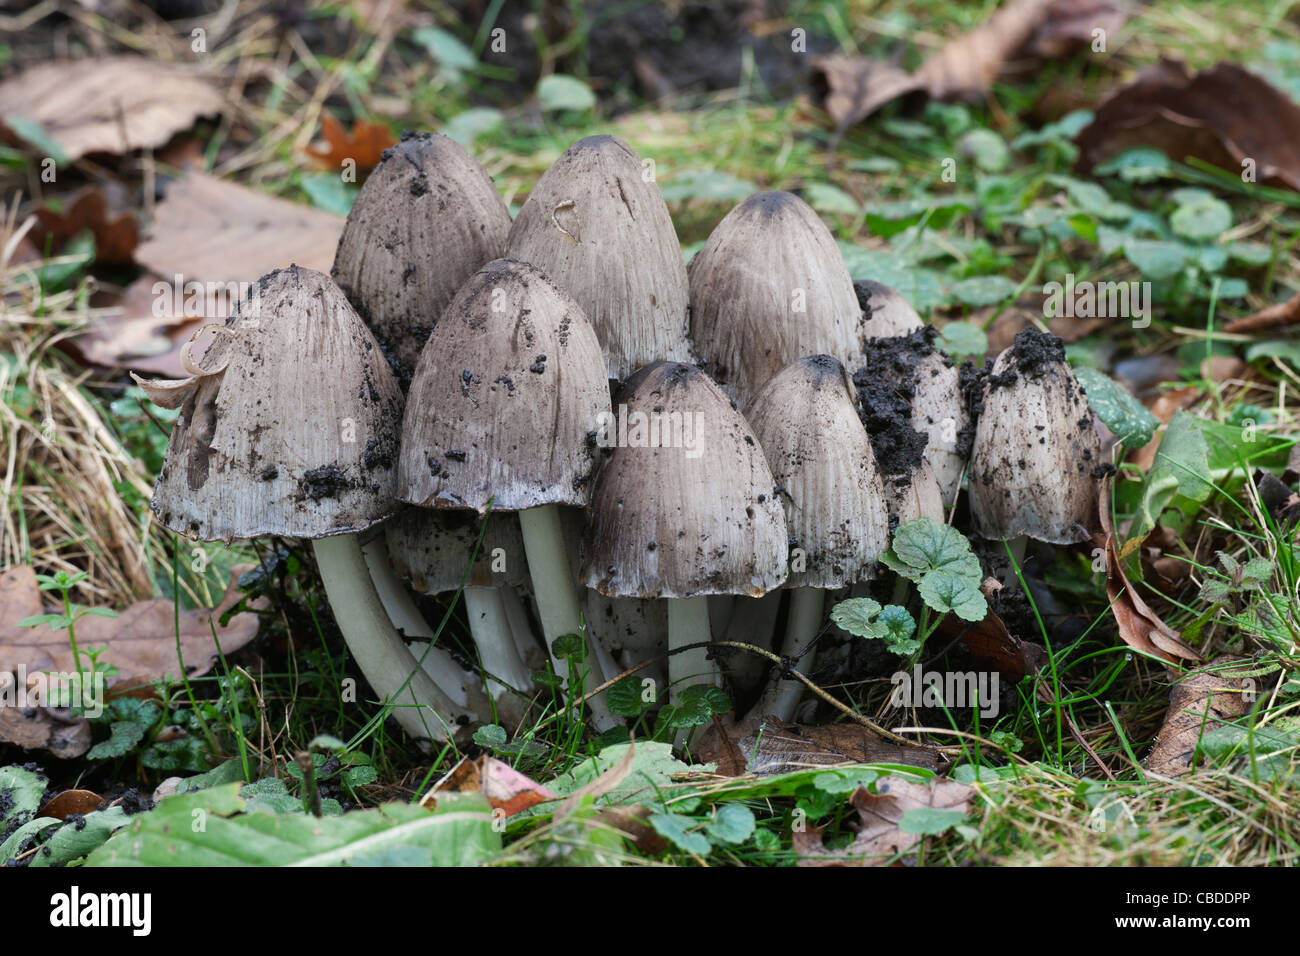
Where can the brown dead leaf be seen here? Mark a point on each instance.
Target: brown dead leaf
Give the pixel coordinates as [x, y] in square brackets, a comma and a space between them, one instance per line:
[1223, 116]
[763, 748]
[108, 105]
[1202, 701]
[992, 645]
[1270, 317]
[505, 788]
[364, 145]
[141, 640]
[630, 820]
[143, 327]
[115, 236]
[210, 230]
[879, 840]
[55, 730]
[1139, 626]
[852, 88]
[69, 802]
[1222, 368]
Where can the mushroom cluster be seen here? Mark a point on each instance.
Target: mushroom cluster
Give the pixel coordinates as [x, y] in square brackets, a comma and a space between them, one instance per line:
[612, 456]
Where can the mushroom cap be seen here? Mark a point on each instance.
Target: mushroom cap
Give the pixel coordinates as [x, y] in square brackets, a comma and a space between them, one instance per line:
[692, 514]
[601, 230]
[1036, 453]
[768, 287]
[427, 217]
[508, 388]
[291, 429]
[819, 453]
[885, 313]
[432, 549]
[917, 497]
[907, 379]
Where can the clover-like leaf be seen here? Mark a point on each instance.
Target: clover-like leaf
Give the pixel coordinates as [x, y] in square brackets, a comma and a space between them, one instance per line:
[855, 615]
[732, 823]
[675, 828]
[568, 646]
[946, 590]
[624, 698]
[895, 627]
[927, 546]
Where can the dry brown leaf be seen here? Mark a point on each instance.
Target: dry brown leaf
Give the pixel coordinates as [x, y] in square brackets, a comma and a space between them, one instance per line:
[1223, 115]
[115, 236]
[763, 748]
[55, 730]
[144, 328]
[1270, 317]
[1069, 26]
[992, 645]
[1202, 701]
[69, 802]
[364, 145]
[109, 105]
[141, 640]
[1139, 626]
[505, 788]
[852, 88]
[211, 230]
[879, 841]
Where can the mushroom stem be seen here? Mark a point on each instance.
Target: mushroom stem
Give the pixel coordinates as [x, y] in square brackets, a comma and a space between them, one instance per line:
[495, 640]
[525, 641]
[407, 619]
[753, 621]
[420, 707]
[805, 619]
[557, 597]
[688, 623]
[1016, 546]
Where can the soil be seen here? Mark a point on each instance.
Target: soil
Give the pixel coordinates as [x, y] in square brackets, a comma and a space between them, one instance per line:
[886, 386]
[1033, 355]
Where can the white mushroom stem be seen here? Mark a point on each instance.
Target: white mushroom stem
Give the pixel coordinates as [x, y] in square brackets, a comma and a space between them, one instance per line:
[753, 621]
[1017, 547]
[495, 640]
[781, 696]
[688, 623]
[459, 684]
[421, 708]
[530, 652]
[557, 598]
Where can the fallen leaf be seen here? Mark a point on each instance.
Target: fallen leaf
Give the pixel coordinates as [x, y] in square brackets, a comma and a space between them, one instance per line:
[68, 802]
[1200, 702]
[210, 230]
[143, 327]
[992, 645]
[603, 784]
[1270, 317]
[53, 729]
[879, 839]
[852, 88]
[767, 747]
[140, 641]
[1070, 26]
[1222, 368]
[105, 105]
[364, 145]
[1139, 626]
[505, 788]
[1223, 115]
[115, 236]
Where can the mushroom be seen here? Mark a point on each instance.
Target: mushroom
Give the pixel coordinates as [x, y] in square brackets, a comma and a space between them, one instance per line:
[907, 379]
[684, 507]
[768, 287]
[427, 217]
[885, 313]
[597, 224]
[289, 426]
[821, 459]
[502, 405]
[1036, 463]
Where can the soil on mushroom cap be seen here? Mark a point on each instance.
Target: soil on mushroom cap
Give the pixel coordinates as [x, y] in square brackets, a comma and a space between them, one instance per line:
[886, 387]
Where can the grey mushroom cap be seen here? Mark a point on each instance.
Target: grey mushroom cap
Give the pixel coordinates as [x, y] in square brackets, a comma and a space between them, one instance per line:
[690, 516]
[426, 218]
[1036, 463]
[432, 549]
[919, 496]
[290, 425]
[598, 225]
[508, 388]
[819, 453]
[885, 313]
[768, 287]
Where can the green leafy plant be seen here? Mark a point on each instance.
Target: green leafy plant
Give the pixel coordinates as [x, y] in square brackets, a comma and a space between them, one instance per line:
[63, 582]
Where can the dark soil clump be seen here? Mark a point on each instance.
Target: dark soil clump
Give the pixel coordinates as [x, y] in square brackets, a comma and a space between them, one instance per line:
[886, 387]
